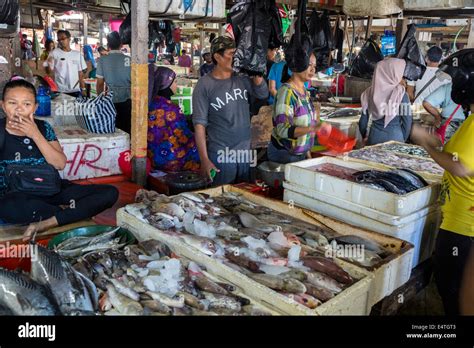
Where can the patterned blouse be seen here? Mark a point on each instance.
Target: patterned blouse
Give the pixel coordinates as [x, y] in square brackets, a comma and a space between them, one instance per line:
[171, 145]
[291, 110]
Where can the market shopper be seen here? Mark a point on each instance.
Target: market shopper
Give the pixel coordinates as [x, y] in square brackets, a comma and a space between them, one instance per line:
[67, 66]
[456, 233]
[433, 58]
[114, 69]
[31, 142]
[386, 113]
[171, 144]
[48, 48]
[221, 111]
[294, 119]
[441, 98]
[90, 72]
[207, 66]
[184, 60]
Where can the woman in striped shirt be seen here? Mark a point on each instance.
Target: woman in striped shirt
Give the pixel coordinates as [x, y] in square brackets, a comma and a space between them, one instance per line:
[295, 121]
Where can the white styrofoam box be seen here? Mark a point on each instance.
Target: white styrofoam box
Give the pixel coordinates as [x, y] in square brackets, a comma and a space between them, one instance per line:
[418, 232]
[385, 202]
[348, 125]
[432, 4]
[196, 8]
[371, 7]
[63, 111]
[91, 155]
[456, 22]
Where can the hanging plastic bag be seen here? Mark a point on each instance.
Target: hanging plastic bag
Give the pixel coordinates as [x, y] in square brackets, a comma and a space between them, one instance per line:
[299, 49]
[125, 30]
[411, 53]
[322, 37]
[9, 11]
[363, 65]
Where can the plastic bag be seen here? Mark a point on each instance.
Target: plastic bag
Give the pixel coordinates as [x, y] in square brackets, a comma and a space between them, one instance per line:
[9, 11]
[411, 53]
[363, 65]
[256, 26]
[125, 30]
[322, 38]
[299, 49]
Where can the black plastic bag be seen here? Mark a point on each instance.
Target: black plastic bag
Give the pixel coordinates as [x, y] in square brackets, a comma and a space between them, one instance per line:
[411, 53]
[299, 49]
[125, 30]
[363, 65]
[322, 38]
[9, 11]
[254, 27]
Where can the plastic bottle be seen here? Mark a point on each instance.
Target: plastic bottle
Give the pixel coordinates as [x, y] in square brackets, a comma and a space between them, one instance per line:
[44, 102]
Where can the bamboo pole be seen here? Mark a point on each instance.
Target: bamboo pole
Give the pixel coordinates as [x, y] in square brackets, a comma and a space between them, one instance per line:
[139, 90]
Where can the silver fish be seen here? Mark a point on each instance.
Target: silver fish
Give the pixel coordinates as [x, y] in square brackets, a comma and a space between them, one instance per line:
[203, 244]
[324, 281]
[23, 296]
[66, 285]
[222, 303]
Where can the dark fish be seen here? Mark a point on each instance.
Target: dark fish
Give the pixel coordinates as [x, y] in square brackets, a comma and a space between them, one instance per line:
[243, 261]
[204, 283]
[319, 292]
[392, 182]
[153, 246]
[328, 267]
[419, 179]
[21, 295]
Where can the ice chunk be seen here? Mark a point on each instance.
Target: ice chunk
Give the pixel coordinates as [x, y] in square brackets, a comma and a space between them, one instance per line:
[204, 230]
[273, 270]
[294, 253]
[155, 264]
[254, 243]
[278, 240]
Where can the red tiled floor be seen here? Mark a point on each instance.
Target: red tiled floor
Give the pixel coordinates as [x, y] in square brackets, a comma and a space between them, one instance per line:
[127, 191]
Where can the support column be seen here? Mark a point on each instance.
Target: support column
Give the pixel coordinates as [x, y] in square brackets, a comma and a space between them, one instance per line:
[400, 31]
[139, 76]
[85, 22]
[470, 39]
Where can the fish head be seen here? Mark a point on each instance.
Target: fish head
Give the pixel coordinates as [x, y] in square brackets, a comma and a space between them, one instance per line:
[292, 239]
[209, 246]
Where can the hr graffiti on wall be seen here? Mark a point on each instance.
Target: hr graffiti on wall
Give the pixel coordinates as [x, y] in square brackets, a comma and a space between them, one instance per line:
[80, 159]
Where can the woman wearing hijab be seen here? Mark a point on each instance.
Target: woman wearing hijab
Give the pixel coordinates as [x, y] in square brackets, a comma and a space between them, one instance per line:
[386, 113]
[171, 145]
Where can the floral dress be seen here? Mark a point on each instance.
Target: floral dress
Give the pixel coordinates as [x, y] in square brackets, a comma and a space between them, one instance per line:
[171, 144]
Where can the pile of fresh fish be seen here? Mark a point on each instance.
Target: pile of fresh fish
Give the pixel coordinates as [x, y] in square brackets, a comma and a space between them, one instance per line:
[407, 149]
[398, 181]
[387, 157]
[53, 287]
[74, 247]
[147, 279]
[276, 250]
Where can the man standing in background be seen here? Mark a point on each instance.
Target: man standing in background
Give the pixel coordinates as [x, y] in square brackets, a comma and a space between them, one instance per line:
[67, 66]
[114, 69]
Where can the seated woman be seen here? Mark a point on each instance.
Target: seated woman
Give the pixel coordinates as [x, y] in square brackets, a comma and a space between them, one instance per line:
[294, 118]
[171, 145]
[386, 105]
[28, 141]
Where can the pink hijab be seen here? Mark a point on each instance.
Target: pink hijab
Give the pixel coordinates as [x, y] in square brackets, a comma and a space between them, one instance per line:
[384, 96]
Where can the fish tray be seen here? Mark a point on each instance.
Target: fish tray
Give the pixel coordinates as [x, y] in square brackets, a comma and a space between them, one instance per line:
[434, 175]
[376, 283]
[419, 228]
[301, 175]
[351, 301]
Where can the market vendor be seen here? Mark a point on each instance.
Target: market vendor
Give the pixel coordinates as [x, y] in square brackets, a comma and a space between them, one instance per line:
[31, 143]
[386, 113]
[207, 66]
[171, 145]
[294, 118]
[221, 111]
[455, 237]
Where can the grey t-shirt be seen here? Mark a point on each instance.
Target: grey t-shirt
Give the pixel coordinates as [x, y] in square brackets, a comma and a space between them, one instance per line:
[222, 106]
[115, 70]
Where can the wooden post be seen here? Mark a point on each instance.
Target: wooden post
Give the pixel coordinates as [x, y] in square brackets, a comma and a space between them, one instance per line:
[470, 39]
[101, 32]
[369, 27]
[139, 76]
[201, 43]
[85, 24]
[400, 31]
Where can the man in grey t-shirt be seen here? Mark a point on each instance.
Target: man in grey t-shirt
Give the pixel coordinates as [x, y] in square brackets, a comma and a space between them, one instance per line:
[221, 109]
[115, 70]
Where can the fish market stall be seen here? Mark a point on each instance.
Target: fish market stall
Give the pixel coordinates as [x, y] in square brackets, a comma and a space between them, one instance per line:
[250, 249]
[398, 203]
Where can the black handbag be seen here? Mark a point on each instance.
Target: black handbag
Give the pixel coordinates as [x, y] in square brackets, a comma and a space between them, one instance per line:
[39, 180]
